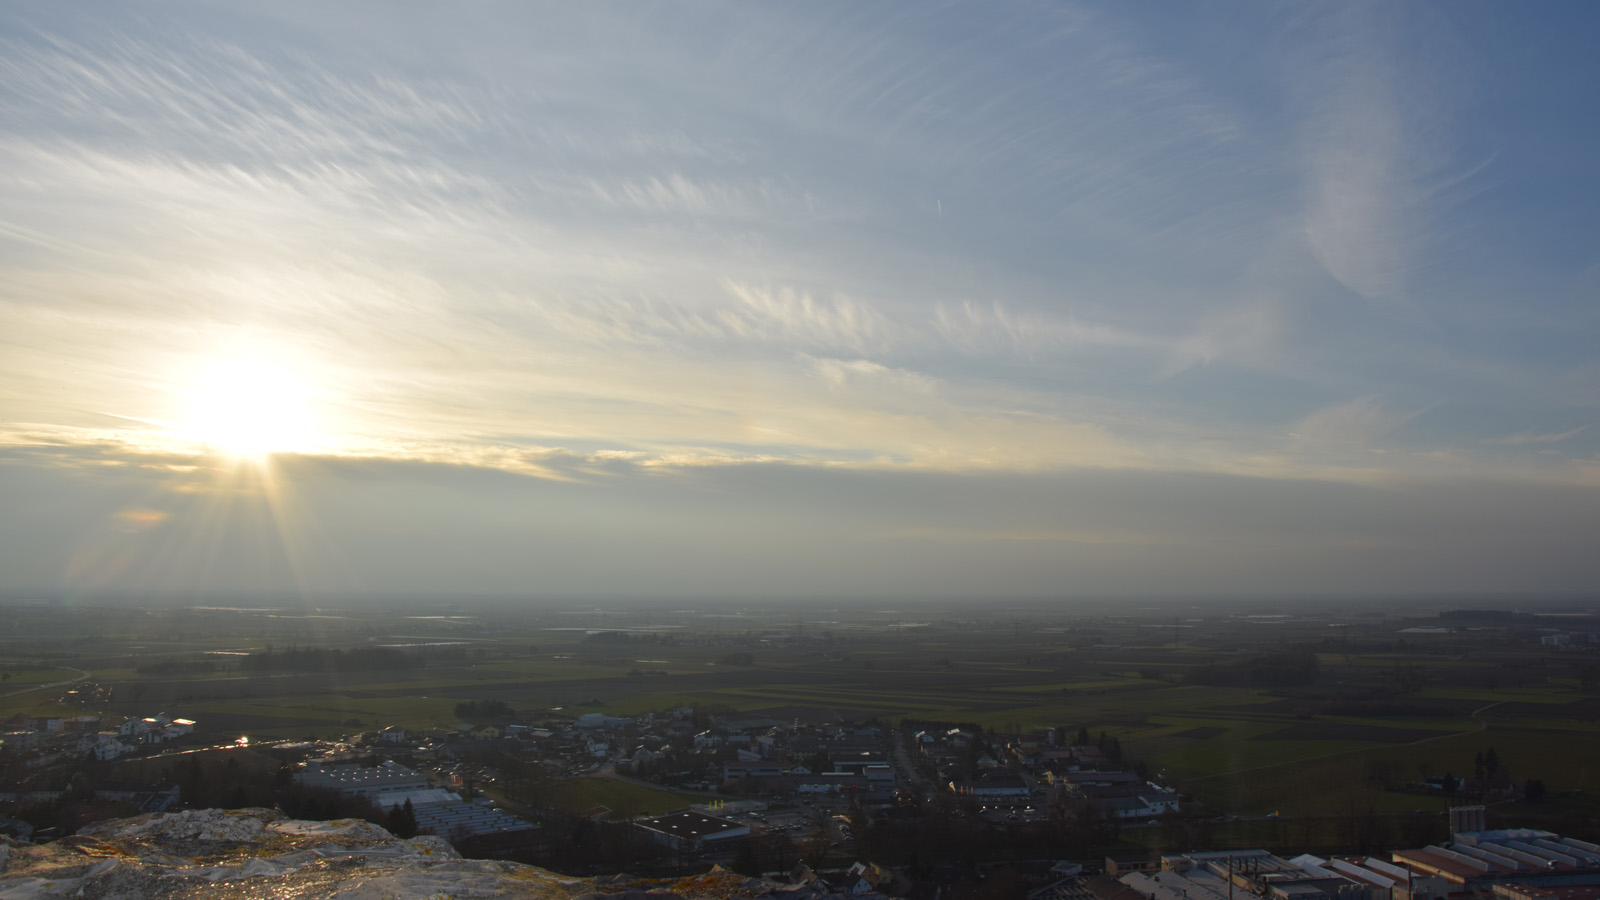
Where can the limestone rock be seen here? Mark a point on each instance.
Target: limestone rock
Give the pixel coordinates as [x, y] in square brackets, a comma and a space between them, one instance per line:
[258, 853]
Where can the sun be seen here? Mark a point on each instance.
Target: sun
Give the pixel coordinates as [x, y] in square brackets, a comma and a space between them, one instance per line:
[249, 406]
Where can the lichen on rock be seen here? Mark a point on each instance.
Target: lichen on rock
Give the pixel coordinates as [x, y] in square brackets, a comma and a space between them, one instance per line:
[259, 853]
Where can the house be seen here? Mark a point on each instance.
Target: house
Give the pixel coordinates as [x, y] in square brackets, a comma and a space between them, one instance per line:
[876, 877]
[879, 774]
[394, 734]
[855, 885]
[993, 785]
[940, 753]
[1085, 778]
[832, 783]
[1146, 805]
[1087, 757]
[856, 761]
[1031, 741]
[752, 768]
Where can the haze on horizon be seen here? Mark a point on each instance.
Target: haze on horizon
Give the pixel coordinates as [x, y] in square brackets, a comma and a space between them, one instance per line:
[799, 299]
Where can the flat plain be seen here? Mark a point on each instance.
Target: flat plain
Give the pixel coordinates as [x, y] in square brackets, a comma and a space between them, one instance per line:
[1249, 709]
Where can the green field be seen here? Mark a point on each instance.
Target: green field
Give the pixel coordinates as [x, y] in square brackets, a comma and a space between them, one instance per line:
[1381, 710]
[621, 797]
[22, 674]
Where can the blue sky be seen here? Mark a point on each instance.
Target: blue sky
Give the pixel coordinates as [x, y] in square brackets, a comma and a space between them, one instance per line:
[799, 299]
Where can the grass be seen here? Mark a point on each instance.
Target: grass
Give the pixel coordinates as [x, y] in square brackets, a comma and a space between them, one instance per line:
[621, 797]
[24, 675]
[1564, 762]
[324, 714]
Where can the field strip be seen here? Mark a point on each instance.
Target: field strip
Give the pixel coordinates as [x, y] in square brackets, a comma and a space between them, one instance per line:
[1476, 714]
[82, 674]
[840, 696]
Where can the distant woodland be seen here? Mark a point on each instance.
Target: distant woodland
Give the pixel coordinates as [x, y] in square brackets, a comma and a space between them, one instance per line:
[359, 659]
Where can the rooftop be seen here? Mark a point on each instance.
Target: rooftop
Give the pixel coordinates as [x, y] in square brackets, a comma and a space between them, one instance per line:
[690, 825]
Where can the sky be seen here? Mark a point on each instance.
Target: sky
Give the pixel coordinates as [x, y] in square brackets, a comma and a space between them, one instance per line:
[799, 299]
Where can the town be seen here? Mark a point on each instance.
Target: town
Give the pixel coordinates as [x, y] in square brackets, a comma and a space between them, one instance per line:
[826, 793]
[1088, 755]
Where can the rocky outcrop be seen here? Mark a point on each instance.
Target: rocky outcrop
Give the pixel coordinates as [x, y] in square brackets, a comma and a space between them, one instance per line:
[258, 853]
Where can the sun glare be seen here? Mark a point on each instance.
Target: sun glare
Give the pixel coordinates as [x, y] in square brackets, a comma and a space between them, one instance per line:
[249, 407]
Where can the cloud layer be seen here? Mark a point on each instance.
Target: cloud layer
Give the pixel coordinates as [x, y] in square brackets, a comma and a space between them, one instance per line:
[626, 253]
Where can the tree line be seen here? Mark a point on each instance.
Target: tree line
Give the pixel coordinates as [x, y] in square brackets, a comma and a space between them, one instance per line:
[356, 659]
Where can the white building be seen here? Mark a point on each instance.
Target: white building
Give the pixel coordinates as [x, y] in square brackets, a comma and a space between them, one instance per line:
[361, 780]
[693, 831]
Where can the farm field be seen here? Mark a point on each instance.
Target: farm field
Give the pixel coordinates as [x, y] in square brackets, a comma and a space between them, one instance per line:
[24, 674]
[1249, 710]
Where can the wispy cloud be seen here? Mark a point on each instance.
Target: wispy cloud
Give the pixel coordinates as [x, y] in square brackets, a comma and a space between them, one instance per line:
[678, 193]
[1355, 423]
[1379, 161]
[988, 327]
[1537, 437]
[838, 321]
[949, 243]
[220, 100]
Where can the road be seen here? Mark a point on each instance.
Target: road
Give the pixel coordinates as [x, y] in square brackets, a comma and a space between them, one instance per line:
[908, 770]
